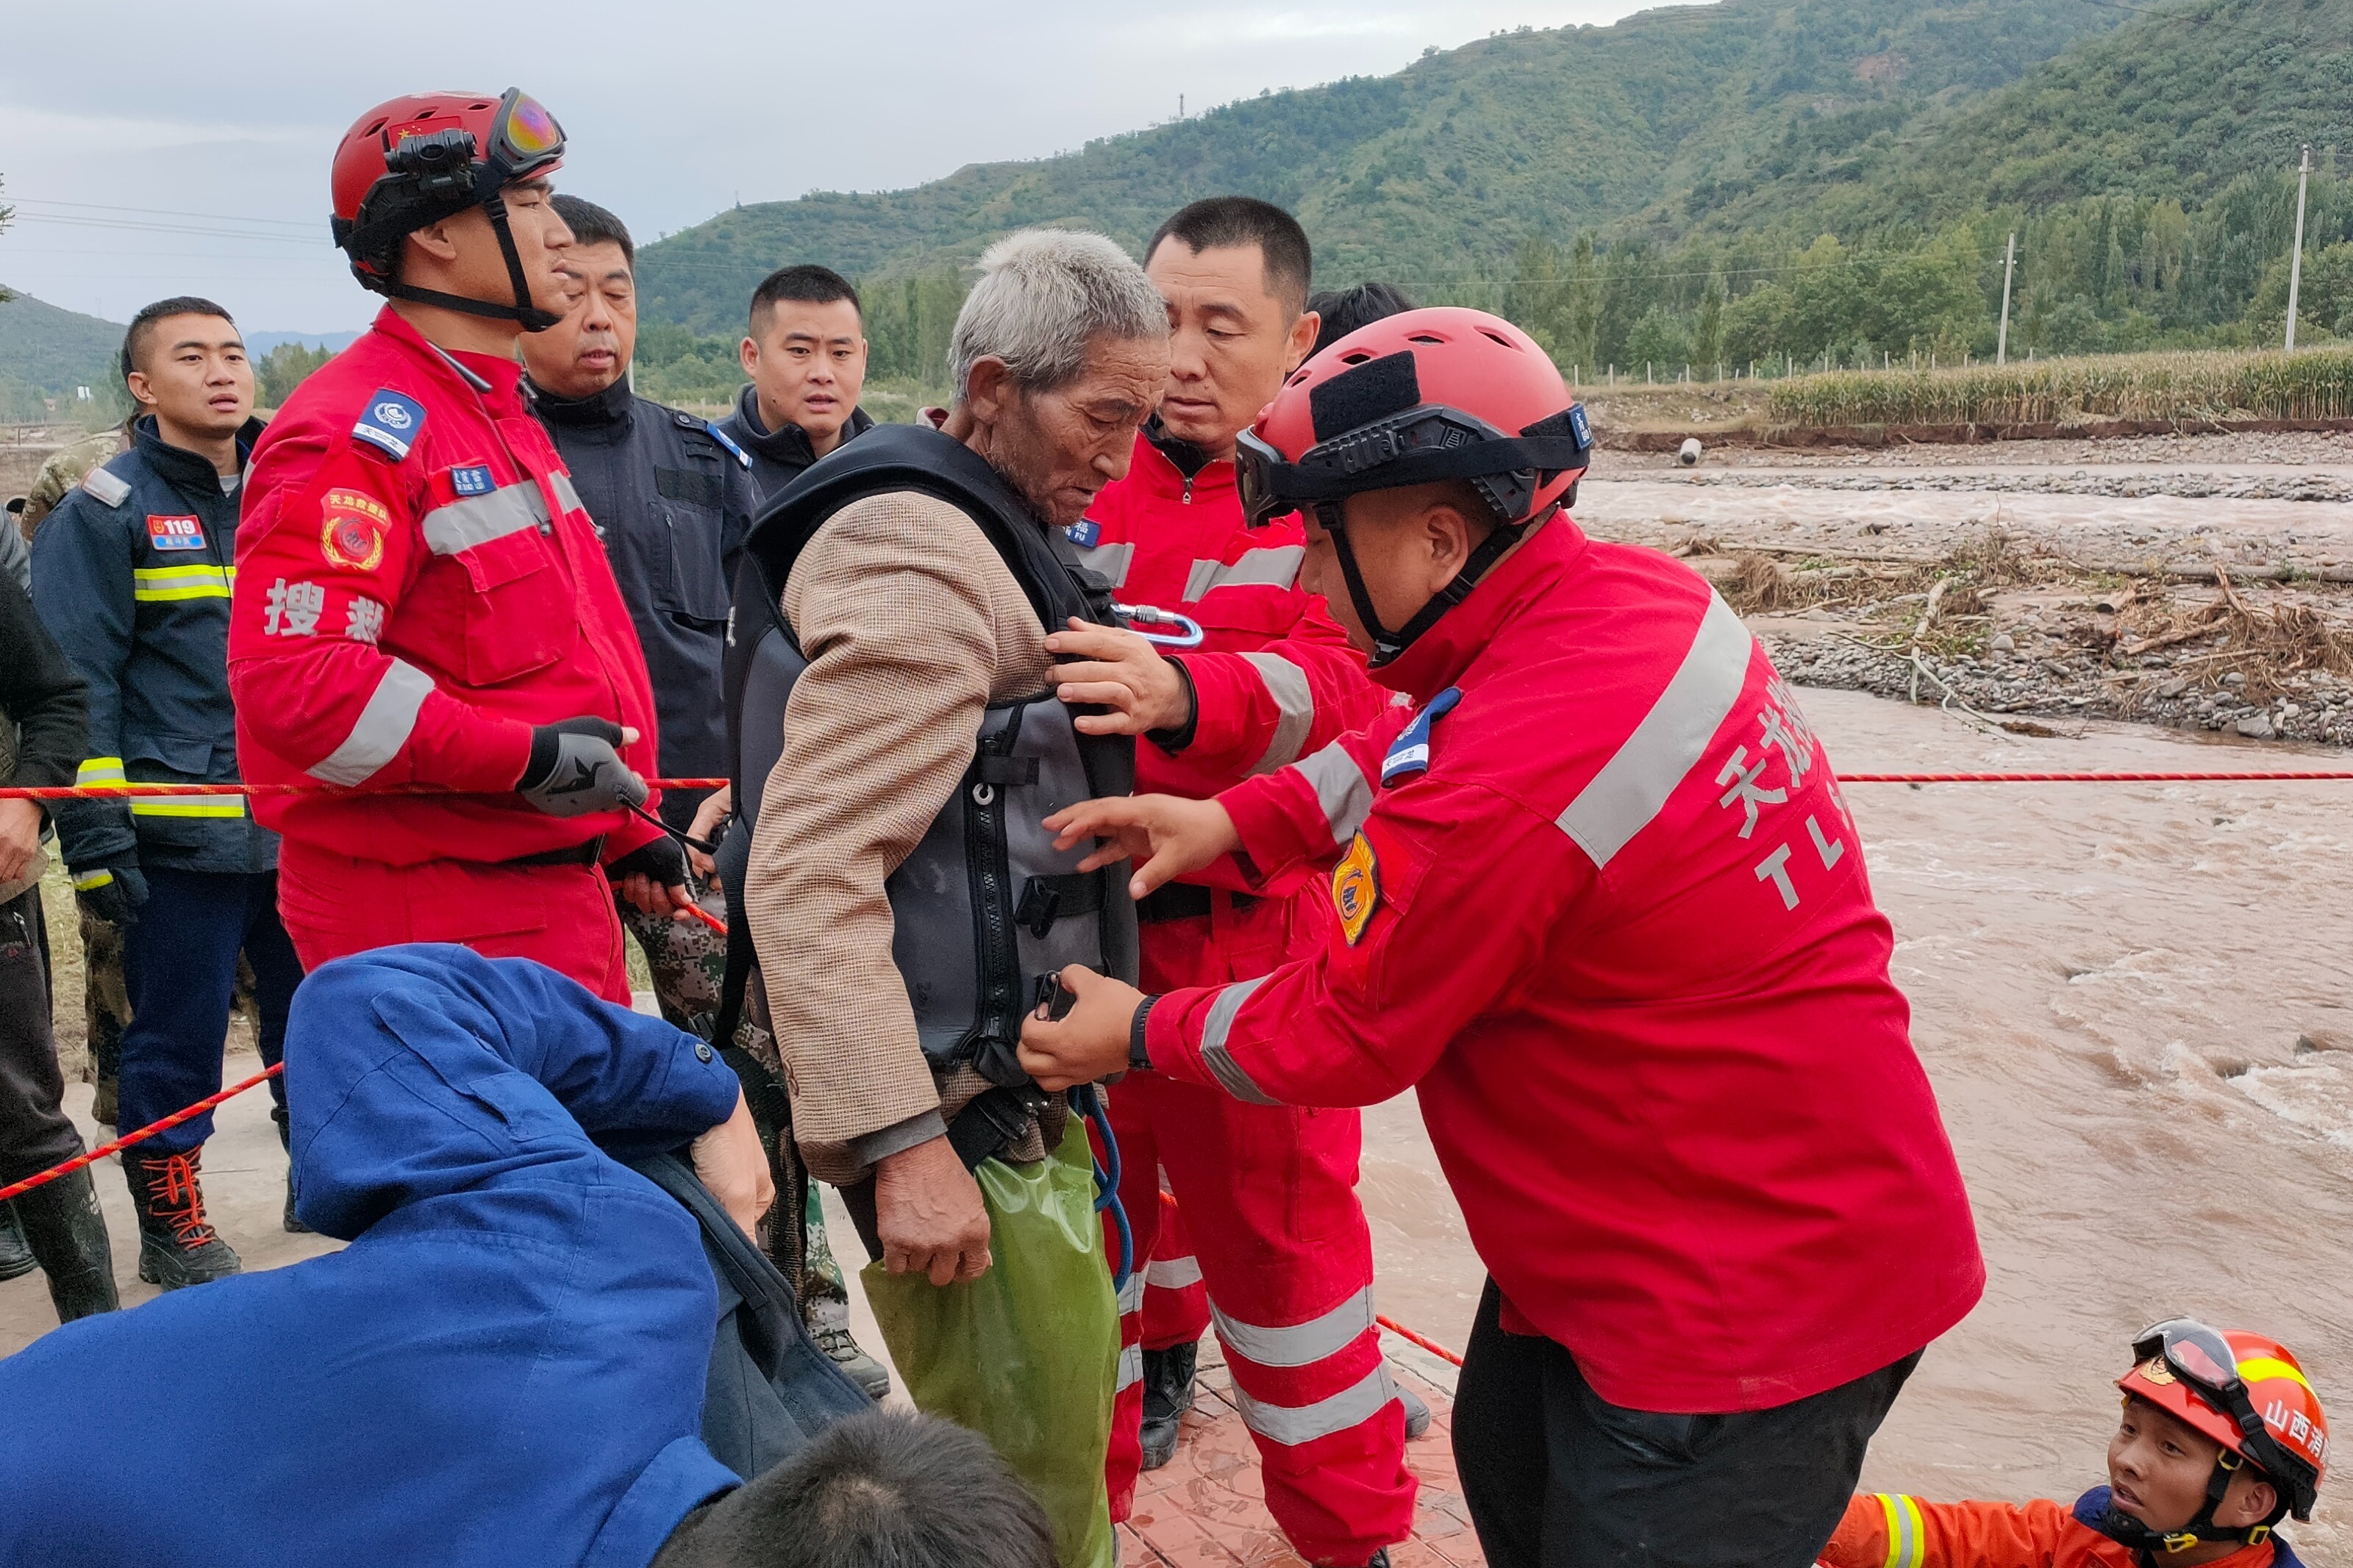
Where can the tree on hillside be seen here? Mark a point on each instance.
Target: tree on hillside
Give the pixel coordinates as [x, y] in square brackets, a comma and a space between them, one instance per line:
[283, 369]
[1707, 333]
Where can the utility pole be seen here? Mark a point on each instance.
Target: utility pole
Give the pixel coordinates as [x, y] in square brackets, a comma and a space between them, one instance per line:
[2009, 264]
[2296, 262]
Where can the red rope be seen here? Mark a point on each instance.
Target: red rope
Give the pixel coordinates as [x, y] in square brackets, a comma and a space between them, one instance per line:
[128, 1139]
[84, 791]
[2081, 778]
[1432, 1346]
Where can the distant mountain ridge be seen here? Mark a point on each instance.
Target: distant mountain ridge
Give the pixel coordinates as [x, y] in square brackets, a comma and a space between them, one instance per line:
[1452, 162]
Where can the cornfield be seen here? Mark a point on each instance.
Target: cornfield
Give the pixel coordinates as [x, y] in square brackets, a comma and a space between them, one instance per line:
[2313, 385]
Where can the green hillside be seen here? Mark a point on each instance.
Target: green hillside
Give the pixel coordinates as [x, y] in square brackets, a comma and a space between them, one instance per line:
[45, 350]
[1454, 161]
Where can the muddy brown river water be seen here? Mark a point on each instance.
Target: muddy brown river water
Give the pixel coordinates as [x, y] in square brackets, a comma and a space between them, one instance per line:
[2137, 1004]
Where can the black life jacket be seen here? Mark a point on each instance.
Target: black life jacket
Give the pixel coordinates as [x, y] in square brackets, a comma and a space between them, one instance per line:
[986, 911]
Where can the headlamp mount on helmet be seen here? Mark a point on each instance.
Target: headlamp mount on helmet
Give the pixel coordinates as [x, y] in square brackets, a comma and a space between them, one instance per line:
[433, 171]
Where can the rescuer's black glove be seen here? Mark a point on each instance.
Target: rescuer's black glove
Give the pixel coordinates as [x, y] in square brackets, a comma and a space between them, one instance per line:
[660, 861]
[574, 769]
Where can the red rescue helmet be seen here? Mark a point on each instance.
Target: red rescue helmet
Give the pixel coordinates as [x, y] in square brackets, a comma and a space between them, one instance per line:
[2248, 1393]
[418, 160]
[1412, 399]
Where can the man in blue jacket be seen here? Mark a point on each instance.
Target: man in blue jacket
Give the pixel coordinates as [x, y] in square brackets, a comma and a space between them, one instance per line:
[506, 1367]
[131, 575]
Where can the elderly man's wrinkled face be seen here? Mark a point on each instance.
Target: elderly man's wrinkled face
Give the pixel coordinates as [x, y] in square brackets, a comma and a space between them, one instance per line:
[1061, 446]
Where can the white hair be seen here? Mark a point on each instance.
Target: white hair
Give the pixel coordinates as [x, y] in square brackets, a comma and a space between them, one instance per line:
[1045, 293]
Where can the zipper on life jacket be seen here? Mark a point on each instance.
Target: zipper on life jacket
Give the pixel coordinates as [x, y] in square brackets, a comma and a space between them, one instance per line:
[987, 857]
[1187, 499]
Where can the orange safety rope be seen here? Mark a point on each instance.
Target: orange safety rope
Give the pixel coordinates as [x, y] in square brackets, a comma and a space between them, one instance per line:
[128, 1139]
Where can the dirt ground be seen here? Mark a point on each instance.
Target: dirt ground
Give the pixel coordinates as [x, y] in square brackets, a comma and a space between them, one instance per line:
[2205, 581]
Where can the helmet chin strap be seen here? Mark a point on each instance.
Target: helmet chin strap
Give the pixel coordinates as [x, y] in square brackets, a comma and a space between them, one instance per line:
[2156, 1546]
[531, 316]
[1389, 644]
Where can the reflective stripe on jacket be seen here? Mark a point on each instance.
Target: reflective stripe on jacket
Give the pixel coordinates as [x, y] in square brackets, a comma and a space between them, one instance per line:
[1888, 1530]
[1600, 904]
[673, 505]
[418, 586]
[131, 575]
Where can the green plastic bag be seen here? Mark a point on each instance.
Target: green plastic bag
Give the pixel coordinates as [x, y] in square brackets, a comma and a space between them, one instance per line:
[1026, 1354]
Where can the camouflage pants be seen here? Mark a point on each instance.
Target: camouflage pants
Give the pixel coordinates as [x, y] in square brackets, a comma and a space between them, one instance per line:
[105, 1007]
[689, 964]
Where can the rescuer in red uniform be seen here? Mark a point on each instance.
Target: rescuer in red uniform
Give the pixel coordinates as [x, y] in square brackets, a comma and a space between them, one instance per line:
[420, 598]
[1268, 1192]
[1596, 899]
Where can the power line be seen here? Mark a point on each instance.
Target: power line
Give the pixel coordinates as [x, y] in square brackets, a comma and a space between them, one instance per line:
[133, 226]
[163, 211]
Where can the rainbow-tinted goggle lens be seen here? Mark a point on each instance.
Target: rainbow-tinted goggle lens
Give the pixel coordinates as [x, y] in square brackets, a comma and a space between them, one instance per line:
[524, 136]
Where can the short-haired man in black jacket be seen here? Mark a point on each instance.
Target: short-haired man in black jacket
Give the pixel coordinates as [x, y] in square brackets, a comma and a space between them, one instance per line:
[805, 354]
[131, 575]
[673, 496]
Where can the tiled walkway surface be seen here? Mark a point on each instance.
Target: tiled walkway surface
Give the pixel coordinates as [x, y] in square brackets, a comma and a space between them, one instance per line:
[1207, 1507]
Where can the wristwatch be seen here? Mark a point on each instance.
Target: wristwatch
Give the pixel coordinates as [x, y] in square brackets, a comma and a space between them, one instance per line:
[1138, 1059]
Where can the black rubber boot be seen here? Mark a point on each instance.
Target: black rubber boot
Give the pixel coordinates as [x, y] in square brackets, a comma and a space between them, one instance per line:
[1167, 1395]
[1417, 1414]
[288, 1218]
[177, 1246]
[67, 1237]
[15, 1257]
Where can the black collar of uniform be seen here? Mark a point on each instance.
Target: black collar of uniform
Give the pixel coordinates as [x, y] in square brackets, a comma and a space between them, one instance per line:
[791, 444]
[1188, 458]
[610, 406]
[178, 467]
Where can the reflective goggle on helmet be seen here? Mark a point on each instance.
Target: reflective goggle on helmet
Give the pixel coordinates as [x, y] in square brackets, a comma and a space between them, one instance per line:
[419, 160]
[2250, 1395]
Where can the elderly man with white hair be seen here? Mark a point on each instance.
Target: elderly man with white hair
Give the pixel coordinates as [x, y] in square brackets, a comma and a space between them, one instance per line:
[901, 731]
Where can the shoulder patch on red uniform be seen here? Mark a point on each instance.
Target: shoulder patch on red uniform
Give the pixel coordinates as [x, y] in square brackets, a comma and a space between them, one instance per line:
[1411, 754]
[1356, 888]
[352, 529]
[391, 423]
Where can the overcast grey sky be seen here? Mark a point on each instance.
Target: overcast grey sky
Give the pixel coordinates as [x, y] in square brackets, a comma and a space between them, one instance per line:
[158, 122]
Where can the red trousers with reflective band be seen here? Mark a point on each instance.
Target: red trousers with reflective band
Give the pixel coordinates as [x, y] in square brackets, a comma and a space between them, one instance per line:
[1176, 1302]
[1269, 1195]
[334, 905]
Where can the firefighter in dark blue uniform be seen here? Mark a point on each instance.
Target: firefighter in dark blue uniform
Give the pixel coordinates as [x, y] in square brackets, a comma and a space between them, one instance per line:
[674, 497]
[131, 575]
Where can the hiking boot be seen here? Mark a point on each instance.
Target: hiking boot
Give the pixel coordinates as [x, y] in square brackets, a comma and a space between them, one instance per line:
[177, 1246]
[829, 1327]
[1417, 1414]
[67, 1235]
[1167, 1395]
[16, 1259]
